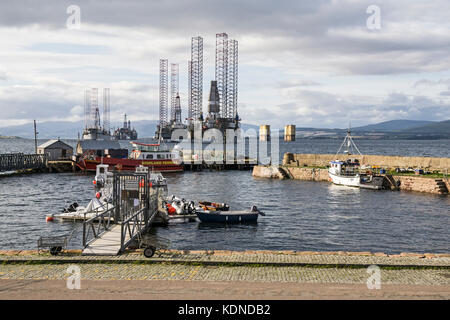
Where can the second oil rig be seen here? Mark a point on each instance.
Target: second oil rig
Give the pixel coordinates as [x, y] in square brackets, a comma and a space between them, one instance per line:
[222, 103]
[126, 132]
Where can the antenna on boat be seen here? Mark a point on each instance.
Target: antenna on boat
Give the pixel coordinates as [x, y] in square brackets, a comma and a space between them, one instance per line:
[348, 138]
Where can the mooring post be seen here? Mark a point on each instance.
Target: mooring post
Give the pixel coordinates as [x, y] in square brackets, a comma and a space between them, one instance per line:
[35, 138]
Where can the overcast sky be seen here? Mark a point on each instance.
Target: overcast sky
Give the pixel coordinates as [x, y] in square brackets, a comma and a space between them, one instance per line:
[310, 63]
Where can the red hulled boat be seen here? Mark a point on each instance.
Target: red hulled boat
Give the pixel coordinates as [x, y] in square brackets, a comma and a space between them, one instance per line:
[154, 156]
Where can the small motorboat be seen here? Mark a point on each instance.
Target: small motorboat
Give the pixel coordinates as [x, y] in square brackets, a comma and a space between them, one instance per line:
[218, 216]
[101, 201]
[213, 206]
[177, 206]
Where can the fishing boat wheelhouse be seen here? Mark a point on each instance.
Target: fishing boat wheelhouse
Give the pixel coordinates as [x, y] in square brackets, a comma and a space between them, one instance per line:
[142, 151]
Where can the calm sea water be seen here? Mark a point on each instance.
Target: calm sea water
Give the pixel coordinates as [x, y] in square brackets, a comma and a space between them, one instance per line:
[300, 215]
[421, 148]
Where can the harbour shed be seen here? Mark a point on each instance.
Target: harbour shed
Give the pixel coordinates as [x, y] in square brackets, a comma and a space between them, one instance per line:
[101, 148]
[55, 150]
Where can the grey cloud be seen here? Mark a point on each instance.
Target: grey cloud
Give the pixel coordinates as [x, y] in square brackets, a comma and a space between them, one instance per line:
[308, 28]
[297, 83]
[329, 36]
[321, 109]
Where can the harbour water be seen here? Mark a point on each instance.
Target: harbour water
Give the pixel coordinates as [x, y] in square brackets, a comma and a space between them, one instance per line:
[301, 215]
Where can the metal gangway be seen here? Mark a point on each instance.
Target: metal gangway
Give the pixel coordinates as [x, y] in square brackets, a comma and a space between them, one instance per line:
[20, 161]
[135, 202]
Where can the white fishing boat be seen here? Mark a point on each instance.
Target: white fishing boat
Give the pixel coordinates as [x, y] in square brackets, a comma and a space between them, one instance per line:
[348, 173]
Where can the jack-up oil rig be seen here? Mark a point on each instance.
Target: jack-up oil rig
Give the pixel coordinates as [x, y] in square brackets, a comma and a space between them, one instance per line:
[93, 130]
[222, 104]
[126, 132]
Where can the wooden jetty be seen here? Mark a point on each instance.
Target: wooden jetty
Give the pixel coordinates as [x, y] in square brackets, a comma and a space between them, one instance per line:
[64, 165]
[20, 161]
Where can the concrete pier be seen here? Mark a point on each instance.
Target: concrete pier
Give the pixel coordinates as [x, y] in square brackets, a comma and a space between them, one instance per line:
[289, 132]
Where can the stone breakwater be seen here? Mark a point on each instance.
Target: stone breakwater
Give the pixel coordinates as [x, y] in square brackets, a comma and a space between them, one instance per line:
[403, 183]
[388, 162]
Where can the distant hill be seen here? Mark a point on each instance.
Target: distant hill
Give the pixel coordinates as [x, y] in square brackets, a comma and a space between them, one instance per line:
[394, 129]
[442, 127]
[70, 130]
[393, 125]
[47, 130]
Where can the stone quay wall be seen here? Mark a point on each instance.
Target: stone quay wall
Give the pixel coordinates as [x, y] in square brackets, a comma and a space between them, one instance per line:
[298, 173]
[404, 183]
[388, 162]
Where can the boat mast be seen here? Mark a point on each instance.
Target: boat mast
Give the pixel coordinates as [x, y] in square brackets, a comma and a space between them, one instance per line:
[348, 138]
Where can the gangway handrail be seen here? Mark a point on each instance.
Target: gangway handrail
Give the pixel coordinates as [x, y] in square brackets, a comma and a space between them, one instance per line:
[133, 227]
[138, 222]
[103, 224]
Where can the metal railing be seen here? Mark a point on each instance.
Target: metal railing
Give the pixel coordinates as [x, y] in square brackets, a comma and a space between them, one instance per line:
[134, 218]
[97, 225]
[138, 222]
[133, 227]
[20, 161]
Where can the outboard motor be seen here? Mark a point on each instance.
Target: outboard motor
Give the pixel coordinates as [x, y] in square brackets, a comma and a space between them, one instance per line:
[73, 207]
[191, 207]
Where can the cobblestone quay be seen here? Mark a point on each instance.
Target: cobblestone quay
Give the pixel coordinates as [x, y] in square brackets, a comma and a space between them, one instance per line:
[401, 275]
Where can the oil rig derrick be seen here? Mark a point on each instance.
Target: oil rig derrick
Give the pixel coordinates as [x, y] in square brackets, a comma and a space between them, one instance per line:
[92, 121]
[222, 103]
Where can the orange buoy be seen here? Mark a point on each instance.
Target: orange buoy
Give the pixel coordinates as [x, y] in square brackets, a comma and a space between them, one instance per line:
[98, 195]
[48, 219]
[171, 210]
